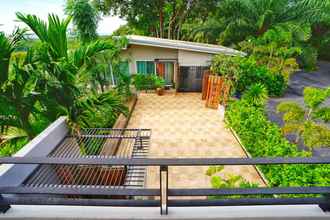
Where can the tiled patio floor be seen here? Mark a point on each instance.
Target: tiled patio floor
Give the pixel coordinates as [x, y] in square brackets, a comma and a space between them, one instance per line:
[183, 127]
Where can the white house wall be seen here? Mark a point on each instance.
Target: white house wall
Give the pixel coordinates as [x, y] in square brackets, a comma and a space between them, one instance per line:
[191, 58]
[136, 52]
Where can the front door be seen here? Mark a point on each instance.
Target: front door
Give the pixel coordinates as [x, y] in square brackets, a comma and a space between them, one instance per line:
[165, 69]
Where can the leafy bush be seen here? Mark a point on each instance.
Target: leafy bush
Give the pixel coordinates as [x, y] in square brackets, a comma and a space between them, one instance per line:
[303, 122]
[256, 95]
[275, 49]
[219, 181]
[147, 81]
[250, 73]
[226, 66]
[308, 58]
[263, 138]
[244, 72]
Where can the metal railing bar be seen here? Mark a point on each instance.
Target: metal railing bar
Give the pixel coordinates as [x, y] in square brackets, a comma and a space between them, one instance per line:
[80, 191]
[246, 202]
[165, 162]
[110, 136]
[78, 202]
[249, 191]
[118, 129]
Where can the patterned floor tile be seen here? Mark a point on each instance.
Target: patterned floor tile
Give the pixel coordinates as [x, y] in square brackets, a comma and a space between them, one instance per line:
[182, 127]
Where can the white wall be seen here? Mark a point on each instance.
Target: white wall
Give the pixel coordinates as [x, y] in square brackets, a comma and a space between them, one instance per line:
[138, 52]
[191, 58]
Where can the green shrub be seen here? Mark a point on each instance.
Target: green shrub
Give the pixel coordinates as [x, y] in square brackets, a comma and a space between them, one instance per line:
[147, 81]
[226, 66]
[263, 138]
[256, 95]
[250, 73]
[308, 58]
[244, 72]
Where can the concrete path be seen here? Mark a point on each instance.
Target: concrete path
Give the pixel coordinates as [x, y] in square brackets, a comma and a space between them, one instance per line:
[182, 127]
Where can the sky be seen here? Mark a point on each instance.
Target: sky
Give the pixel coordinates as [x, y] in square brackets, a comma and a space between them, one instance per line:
[41, 8]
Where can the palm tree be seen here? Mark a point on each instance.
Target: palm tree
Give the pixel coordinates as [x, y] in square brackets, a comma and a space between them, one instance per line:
[237, 19]
[65, 72]
[19, 83]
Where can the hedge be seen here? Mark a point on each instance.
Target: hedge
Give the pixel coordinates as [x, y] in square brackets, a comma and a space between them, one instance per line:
[263, 138]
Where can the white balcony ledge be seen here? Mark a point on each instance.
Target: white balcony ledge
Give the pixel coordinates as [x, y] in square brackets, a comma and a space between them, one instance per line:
[291, 212]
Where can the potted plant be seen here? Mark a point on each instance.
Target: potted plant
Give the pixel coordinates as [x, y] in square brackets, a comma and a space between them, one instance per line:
[159, 85]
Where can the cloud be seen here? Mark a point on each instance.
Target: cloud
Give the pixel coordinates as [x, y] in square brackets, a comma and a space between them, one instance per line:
[42, 8]
[109, 24]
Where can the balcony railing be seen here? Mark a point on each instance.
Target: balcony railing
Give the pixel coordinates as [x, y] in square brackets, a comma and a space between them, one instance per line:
[100, 196]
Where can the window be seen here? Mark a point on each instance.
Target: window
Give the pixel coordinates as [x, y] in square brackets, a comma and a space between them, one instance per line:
[145, 67]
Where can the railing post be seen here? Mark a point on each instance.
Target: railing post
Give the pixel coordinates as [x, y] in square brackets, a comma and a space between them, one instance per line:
[163, 186]
[326, 207]
[3, 205]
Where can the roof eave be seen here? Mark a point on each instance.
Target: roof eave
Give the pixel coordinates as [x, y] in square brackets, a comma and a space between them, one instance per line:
[210, 51]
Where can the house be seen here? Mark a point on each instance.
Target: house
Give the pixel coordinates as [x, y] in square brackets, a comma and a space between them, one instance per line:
[180, 63]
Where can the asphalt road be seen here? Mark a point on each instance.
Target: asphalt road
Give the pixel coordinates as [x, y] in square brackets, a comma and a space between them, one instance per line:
[298, 81]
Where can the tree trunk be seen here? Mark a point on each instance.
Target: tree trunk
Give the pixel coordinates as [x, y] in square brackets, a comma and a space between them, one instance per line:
[161, 19]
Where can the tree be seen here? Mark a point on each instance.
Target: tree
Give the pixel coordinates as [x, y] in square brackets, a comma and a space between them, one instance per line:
[308, 122]
[158, 18]
[275, 49]
[65, 72]
[235, 20]
[19, 83]
[85, 18]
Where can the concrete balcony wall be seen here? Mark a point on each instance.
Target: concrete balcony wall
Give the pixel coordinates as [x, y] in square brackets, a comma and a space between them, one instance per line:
[41, 145]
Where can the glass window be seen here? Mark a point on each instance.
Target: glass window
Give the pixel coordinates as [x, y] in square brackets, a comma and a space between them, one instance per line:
[145, 67]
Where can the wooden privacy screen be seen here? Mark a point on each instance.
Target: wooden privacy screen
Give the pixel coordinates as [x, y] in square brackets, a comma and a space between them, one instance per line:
[215, 90]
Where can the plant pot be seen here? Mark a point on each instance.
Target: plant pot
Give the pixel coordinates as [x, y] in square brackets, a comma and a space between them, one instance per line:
[160, 91]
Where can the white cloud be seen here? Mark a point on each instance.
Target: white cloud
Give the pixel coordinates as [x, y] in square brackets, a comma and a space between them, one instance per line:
[109, 24]
[42, 8]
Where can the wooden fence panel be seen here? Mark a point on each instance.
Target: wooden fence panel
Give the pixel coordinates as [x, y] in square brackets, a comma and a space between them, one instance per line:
[215, 90]
[205, 84]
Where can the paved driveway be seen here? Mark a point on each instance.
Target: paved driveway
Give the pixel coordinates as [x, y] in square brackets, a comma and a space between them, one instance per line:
[182, 127]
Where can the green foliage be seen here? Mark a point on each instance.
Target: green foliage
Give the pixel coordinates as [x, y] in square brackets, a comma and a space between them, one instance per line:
[263, 138]
[213, 170]
[226, 66]
[303, 122]
[147, 81]
[85, 18]
[65, 72]
[256, 95]
[250, 73]
[236, 20]
[243, 72]
[221, 181]
[308, 58]
[46, 80]
[157, 18]
[159, 82]
[275, 50]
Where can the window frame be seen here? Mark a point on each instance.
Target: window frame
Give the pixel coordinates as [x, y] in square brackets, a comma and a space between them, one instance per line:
[136, 66]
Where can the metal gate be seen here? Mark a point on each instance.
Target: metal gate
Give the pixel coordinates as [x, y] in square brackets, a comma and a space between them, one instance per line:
[190, 78]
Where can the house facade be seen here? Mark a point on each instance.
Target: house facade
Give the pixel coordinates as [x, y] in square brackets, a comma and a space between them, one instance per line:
[180, 63]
